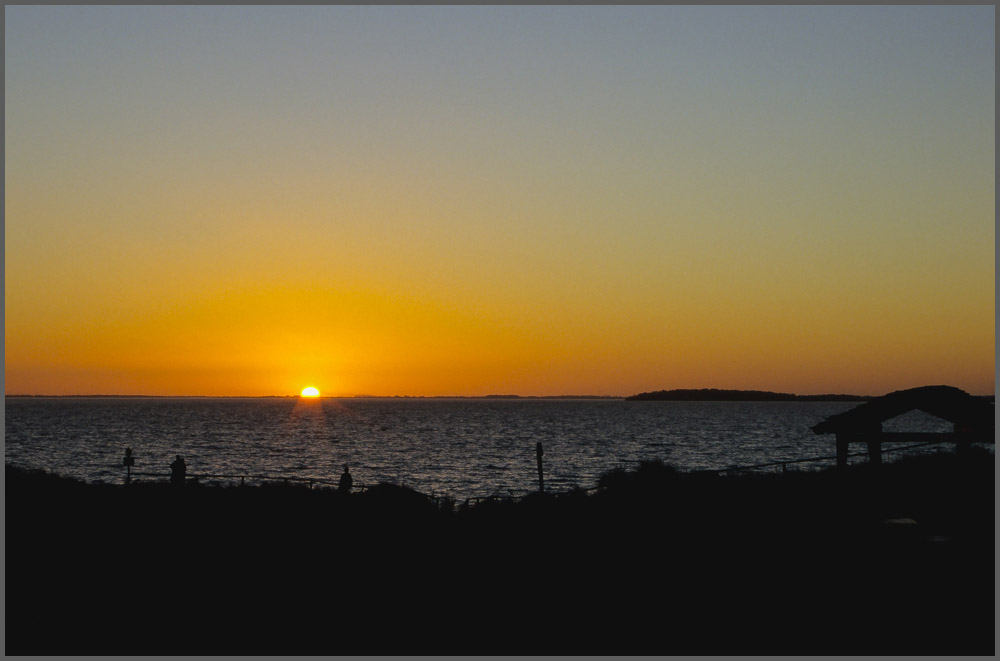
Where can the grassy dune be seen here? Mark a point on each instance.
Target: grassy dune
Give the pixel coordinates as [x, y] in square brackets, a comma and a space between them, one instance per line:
[891, 561]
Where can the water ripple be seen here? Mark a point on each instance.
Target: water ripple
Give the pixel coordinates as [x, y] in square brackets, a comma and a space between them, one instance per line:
[461, 448]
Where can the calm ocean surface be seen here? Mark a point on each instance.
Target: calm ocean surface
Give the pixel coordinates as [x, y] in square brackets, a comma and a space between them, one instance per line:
[456, 447]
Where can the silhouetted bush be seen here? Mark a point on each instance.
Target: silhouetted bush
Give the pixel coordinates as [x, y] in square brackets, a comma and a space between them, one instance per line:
[649, 546]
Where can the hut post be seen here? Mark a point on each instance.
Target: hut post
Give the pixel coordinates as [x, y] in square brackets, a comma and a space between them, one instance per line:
[873, 438]
[874, 450]
[962, 443]
[843, 443]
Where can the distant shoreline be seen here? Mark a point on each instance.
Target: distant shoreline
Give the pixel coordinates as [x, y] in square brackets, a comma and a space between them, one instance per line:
[716, 395]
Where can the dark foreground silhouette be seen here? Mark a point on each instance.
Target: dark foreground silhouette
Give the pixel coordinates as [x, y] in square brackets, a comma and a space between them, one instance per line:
[898, 560]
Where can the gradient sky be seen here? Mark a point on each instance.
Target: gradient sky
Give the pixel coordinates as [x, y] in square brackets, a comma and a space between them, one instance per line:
[464, 200]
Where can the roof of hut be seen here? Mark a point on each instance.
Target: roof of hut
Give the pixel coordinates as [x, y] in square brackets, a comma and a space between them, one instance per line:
[946, 402]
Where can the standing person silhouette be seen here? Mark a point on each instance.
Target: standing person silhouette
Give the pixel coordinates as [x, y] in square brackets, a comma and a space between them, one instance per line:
[346, 481]
[178, 470]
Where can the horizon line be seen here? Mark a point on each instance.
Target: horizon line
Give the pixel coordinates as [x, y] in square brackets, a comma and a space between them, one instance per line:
[297, 396]
[487, 396]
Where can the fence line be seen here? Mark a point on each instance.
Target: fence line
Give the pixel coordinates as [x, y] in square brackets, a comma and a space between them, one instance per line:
[784, 462]
[859, 453]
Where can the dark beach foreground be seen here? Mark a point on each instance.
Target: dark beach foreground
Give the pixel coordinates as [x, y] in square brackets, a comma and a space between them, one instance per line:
[896, 559]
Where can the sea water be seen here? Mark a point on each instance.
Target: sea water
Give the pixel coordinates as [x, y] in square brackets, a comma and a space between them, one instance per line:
[460, 448]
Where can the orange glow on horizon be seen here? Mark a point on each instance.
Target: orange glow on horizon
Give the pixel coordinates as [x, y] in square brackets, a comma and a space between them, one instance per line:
[472, 239]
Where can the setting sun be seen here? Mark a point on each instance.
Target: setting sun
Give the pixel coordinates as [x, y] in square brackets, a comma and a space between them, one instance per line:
[485, 241]
[310, 392]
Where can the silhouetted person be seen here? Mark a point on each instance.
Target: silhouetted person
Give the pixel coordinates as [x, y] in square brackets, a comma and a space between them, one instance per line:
[178, 470]
[128, 462]
[346, 481]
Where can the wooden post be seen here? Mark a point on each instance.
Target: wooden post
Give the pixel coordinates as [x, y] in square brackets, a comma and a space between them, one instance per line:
[541, 480]
[129, 461]
[874, 451]
[962, 443]
[842, 446]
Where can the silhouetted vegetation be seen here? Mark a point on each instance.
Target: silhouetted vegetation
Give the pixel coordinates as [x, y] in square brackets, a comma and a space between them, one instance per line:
[653, 560]
[716, 395]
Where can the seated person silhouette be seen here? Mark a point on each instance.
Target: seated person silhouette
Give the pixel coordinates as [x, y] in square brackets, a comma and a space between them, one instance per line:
[178, 469]
[346, 481]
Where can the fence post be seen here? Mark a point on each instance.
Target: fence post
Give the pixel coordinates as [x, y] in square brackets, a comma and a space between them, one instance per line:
[541, 479]
[129, 461]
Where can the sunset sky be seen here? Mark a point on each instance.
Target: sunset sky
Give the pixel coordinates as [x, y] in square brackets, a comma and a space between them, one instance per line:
[466, 200]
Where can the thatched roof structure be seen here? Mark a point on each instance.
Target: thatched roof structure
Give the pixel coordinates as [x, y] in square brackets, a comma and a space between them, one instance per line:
[972, 419]
[966, 412]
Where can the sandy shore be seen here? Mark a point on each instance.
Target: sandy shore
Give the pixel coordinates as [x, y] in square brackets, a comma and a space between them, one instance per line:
[898, 560]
